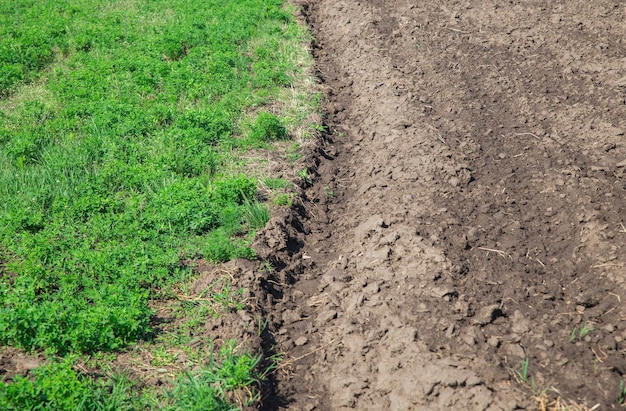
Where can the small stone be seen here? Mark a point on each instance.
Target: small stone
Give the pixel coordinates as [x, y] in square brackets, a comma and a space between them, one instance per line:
[487, 315]
[374, 223]
[439, 292]
[326, 316]
[371, 289]
[473, 380]
[245, 316]
[520, 324]
[548, 343]
[291, 316]
[513, 350]
[493, 341]
[469, 337]
[301, 341]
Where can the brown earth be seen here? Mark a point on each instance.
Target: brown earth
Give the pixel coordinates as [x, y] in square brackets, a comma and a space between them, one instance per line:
[467, 211]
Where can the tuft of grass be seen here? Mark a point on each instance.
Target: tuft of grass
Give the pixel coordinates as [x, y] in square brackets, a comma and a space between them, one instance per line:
[276, 183]
[255, 215]
[304, 175]
[283, 199]
[268, 127]
[210, 387]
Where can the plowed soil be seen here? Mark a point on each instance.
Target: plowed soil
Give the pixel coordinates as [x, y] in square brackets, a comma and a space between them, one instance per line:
[467, 212]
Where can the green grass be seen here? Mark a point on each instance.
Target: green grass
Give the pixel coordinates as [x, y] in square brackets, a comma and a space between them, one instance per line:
[118, 122]
[58, 386]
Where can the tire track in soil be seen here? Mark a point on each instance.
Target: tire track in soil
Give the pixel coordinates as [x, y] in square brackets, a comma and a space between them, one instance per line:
[467, 213]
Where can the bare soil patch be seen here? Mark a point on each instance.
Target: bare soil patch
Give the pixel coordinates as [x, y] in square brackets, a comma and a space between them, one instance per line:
[467, 214]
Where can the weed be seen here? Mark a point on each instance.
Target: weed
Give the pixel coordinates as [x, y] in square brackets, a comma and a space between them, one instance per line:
[276, 183]
[208, 388]
[267, 267]
[304, 174]
[230, 299]
[293, 153]
[329, 193]
[219, 297]
[256, 215]
[162, 357]
[320, 128]
[268, 127]
[621, 399]
[283, 199]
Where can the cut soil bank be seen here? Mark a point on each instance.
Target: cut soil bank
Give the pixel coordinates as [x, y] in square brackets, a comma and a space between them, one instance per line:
[463, 243]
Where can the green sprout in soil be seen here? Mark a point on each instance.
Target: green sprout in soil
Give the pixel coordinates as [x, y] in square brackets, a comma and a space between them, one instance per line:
[522, 373]
[524, 377]
[579, 334]
[622, 393]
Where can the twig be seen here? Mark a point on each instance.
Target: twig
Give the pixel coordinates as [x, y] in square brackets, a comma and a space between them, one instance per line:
[499, 252]
[606, 265]
[619, 299]
[609, 311]
[596, 354]
[528, 134]
[292, 360]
